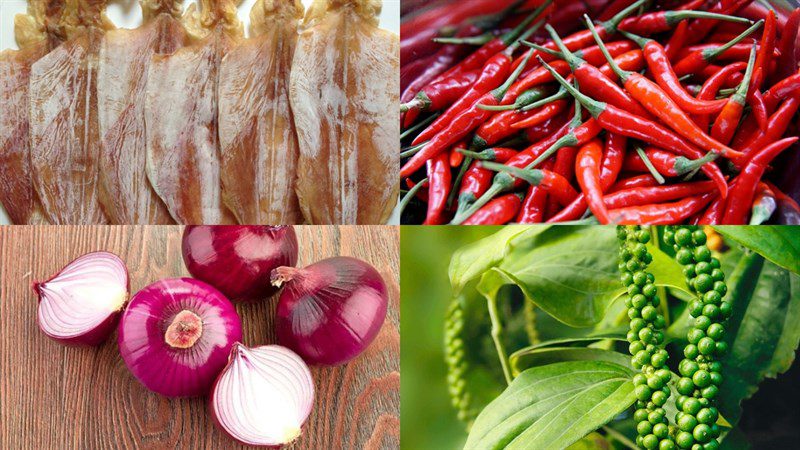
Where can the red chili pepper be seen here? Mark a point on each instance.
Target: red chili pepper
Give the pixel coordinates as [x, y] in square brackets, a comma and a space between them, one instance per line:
[592, 80]
[677, 40]
[609, 170]
[740, 51]
[728, 119]
[540, 115]
[713, 214]
[556, 185]
[501, 126]
[645, 195]
[764, 204]
[695, 61]
[587, 169]
[479, 57]
[657, 102]
[633, 182]
[538, 132]
[438, 189]
[712, 70]
[565, 166]
[662, 213]
[437, 96]
[499, 211]
[632, 60]
[787, 44]
[712, 86]
[456, 157]
[779, 122]
[535, 203]
[535, 78]
[477, 179]
[781, 90]
[661, 21]
[661, 69]
[666, 163]
[623, 122]
[492, 75]
[761, 71]
[460, 126]
[742, 193]
[699, 28]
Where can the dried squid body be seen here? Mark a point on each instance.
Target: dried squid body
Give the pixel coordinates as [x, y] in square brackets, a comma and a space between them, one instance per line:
[256, 130]
[37, 33]
[344, 96]
[124, 191]
[64, 134]
[181, 116]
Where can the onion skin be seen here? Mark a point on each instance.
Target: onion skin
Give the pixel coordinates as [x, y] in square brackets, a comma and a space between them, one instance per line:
[330, 311]
[238, 259]
[166, 369]
[263, 396]
[57, 309]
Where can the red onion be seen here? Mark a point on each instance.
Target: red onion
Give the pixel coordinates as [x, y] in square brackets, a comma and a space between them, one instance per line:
[263, 396]
[330, 311]
[237, 260]
[176, 335]
[81, 303]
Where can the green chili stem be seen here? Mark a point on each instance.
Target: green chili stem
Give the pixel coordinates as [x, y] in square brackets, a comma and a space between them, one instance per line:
[416, 127]
[413, 150]
[409, 195]
[649, 165]
[711, 54]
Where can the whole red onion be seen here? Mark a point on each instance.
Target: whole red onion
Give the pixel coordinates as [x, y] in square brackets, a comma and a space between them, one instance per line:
[263, 396]
[330, 311]
[238, 259]
[176, 335]
[81, 303]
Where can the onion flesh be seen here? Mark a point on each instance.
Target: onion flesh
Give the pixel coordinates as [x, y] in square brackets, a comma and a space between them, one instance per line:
[176, 334]
[263, 396]
[238, 259]
[330, 311]
[81, 303]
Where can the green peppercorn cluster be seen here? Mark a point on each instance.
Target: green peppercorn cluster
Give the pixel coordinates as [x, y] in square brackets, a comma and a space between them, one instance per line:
[700, 370]
[455, 358]
[645, 337]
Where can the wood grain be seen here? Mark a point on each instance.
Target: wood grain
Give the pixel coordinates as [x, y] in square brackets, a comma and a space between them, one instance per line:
[53, 396]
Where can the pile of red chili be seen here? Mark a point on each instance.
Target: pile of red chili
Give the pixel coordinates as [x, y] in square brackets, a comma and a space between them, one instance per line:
[652, 112]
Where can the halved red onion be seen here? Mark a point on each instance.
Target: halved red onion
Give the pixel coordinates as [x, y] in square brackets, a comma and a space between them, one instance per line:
[330, 311]
[263, 396]
[81, 303]
[176, 334]
[238, 259]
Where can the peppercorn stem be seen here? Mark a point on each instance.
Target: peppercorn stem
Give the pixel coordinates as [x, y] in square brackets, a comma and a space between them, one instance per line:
[497, 331]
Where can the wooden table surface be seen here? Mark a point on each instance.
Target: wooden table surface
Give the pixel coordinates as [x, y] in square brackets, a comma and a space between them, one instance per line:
[53, 396]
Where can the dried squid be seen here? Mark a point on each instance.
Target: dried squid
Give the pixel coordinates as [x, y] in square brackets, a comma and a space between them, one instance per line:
[181, 116]
[37, 33]
[256, 131]
[65, 143]
[125, 192]
[344, 96]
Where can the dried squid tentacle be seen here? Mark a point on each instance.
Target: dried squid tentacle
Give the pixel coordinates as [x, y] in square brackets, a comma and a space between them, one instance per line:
[344, 89]
[256, 128]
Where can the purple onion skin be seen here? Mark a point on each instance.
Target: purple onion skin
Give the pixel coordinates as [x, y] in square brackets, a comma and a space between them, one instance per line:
[162, 368]
[99, 333]
[330, 311]
[238, 259]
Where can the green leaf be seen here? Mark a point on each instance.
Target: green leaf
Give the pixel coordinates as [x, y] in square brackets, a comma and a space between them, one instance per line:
[532, 357]
[571, 272]
[779, 244]
[762, 334]
[592, 441]
[553, 406]
[473, 260]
